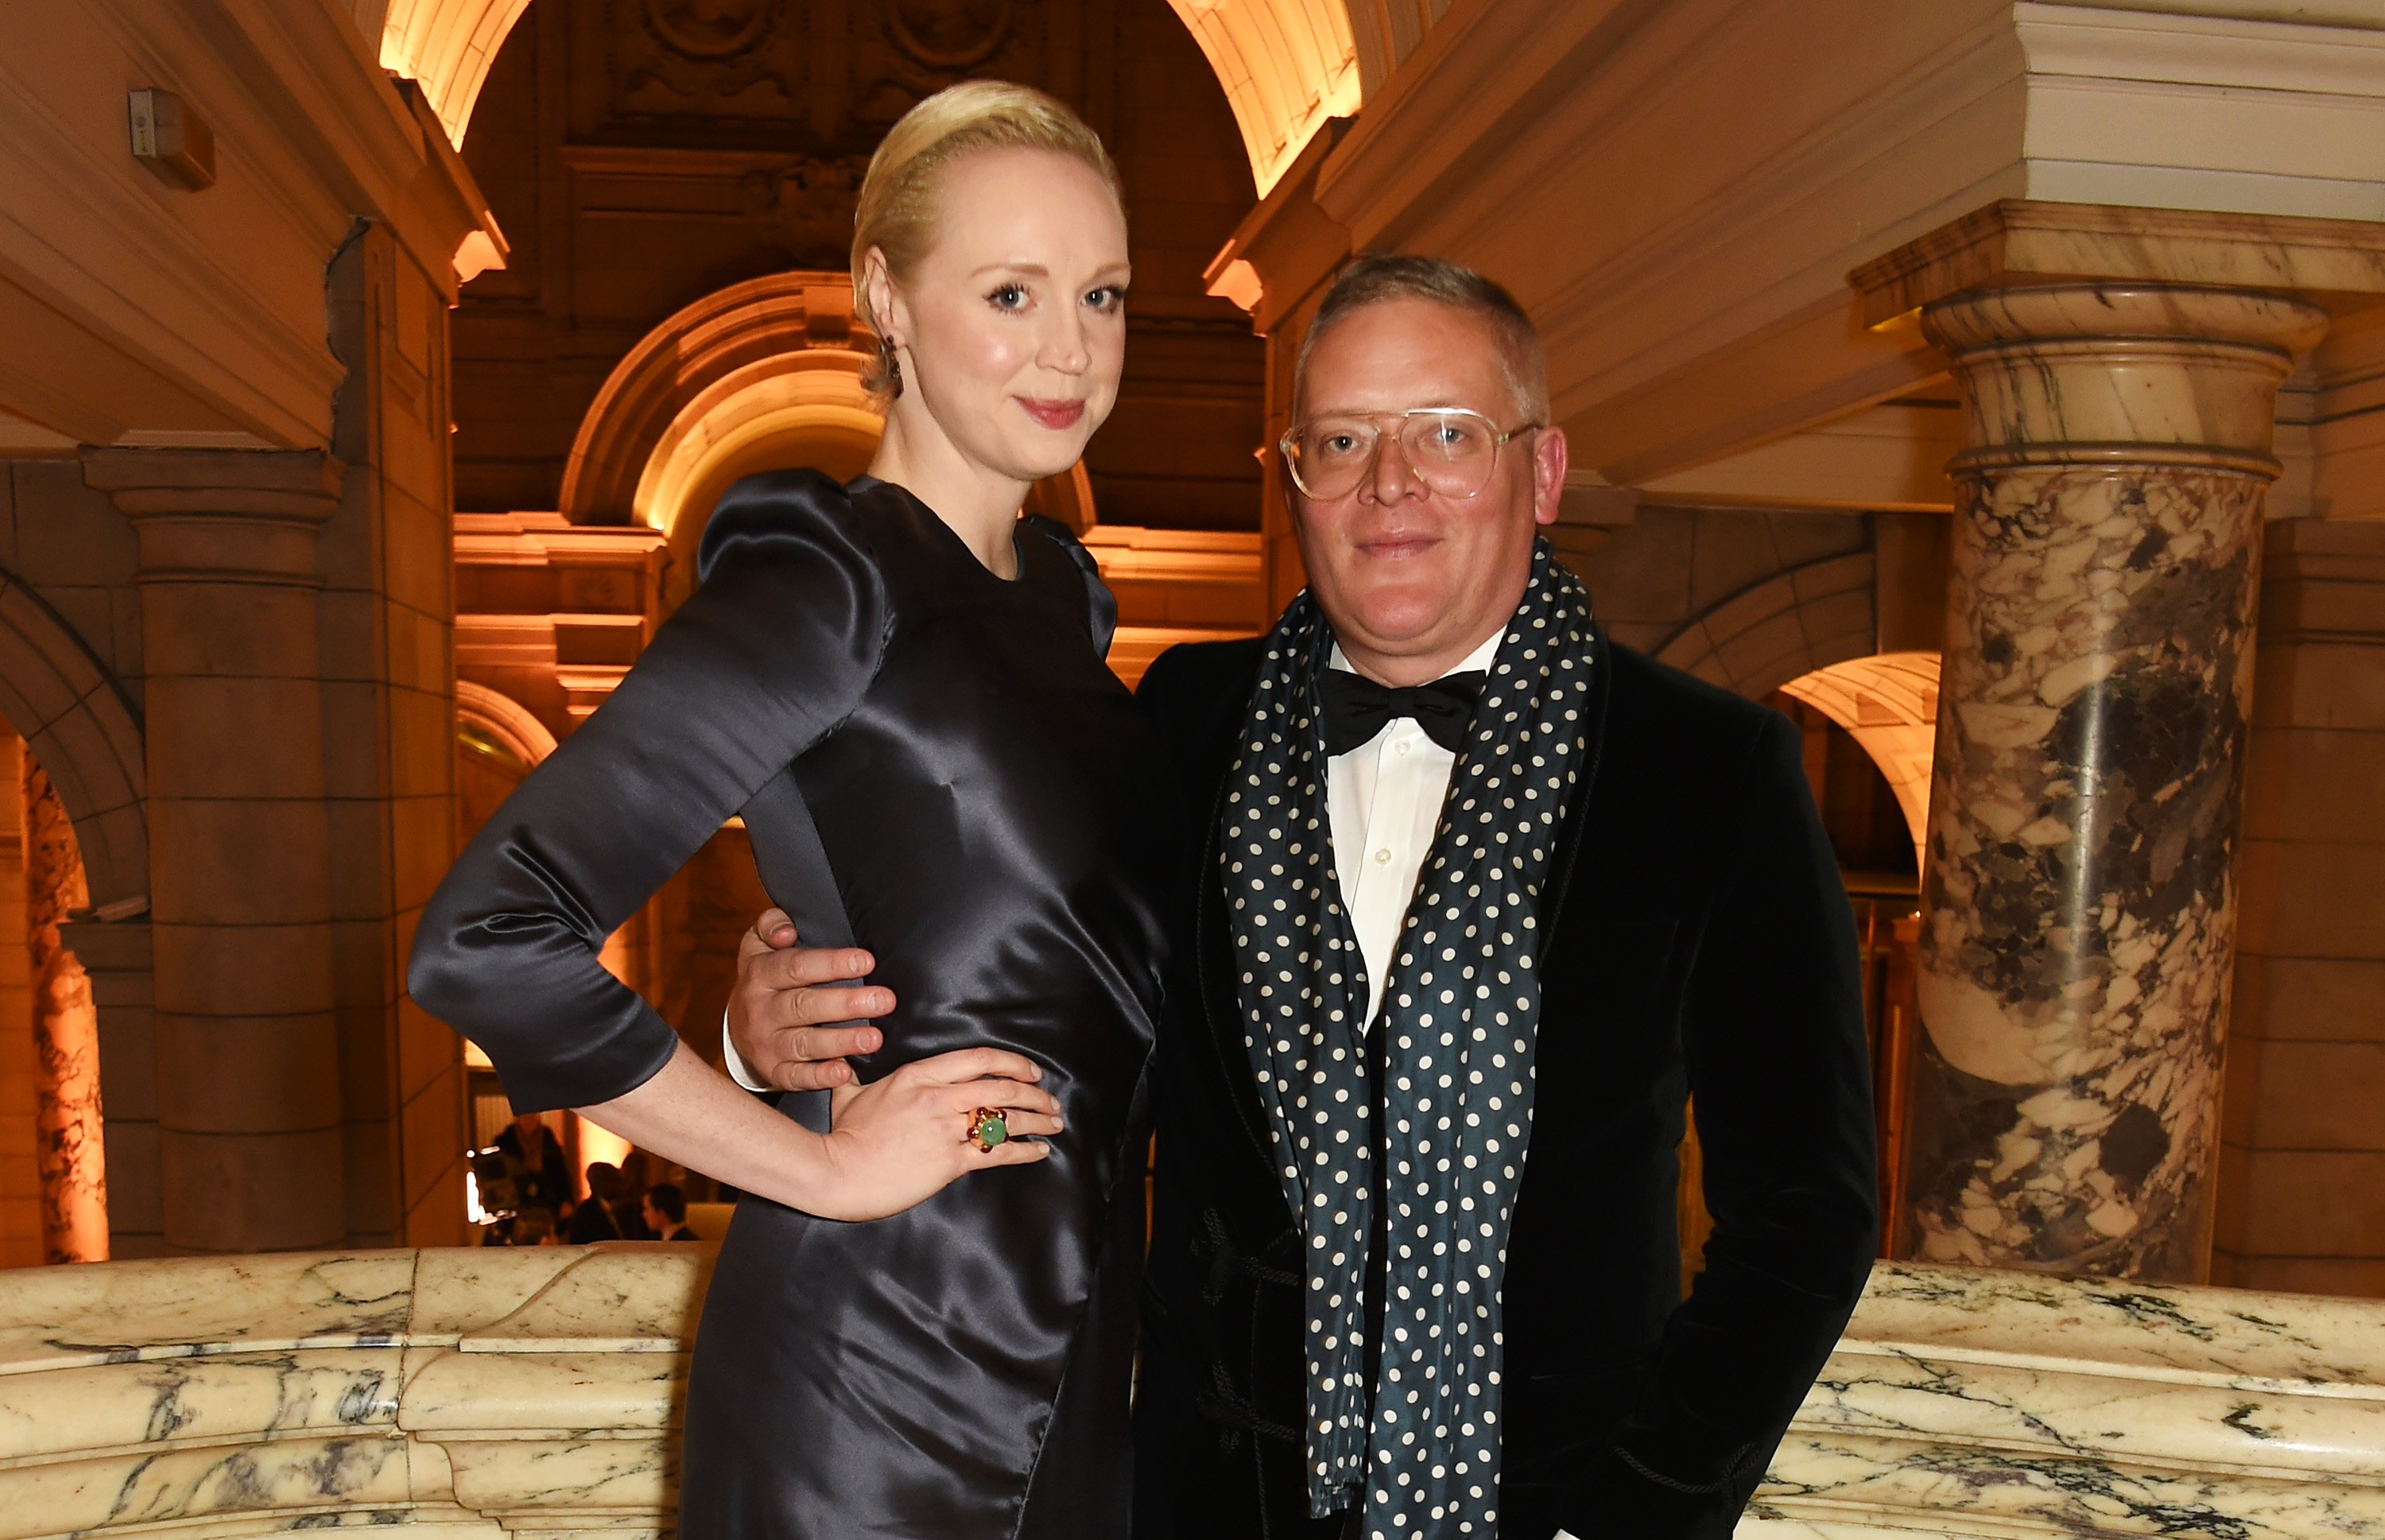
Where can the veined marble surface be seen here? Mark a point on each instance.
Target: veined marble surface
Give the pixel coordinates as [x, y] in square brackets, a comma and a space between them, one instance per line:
[2078, 913]
[1977, 1403]
[474, 1392]
[483, 1394]
[2078, 933]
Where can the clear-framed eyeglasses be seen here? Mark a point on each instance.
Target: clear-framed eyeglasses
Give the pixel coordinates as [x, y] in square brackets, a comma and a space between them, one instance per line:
[1450, 449]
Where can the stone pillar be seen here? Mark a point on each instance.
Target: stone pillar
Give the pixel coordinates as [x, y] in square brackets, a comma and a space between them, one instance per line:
[248, 1057]
[115, 962]
[2078, 913]
[66, 1036]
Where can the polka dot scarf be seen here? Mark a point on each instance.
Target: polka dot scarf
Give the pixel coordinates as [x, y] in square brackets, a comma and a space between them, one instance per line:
[1420, 1448]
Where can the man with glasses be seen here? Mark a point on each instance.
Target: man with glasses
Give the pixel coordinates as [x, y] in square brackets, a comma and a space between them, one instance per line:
[1482, 900]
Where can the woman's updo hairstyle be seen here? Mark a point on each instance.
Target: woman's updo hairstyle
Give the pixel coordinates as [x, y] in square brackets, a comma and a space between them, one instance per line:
[897, 209]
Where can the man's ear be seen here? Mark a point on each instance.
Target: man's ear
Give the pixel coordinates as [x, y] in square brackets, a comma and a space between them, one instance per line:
[1549, 457]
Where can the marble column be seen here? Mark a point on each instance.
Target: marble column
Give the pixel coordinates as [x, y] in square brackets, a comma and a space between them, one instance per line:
[66, 1036]
[2079, 910]
[250, 1149]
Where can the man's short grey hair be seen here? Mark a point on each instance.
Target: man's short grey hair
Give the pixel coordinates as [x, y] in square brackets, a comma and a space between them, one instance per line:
[1378, 277]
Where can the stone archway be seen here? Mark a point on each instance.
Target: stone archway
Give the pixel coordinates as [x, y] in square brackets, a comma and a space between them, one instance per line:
[83, 843]
[777, 353]
[507, 724]
[759, 374]
[498, 742]
[445, 47]
[81, 729]
[1793, 623]
[1812, 632]
[1888, 703]
[1286, 66]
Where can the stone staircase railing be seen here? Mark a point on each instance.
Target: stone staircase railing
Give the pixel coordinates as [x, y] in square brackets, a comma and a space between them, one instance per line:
[496, 1392]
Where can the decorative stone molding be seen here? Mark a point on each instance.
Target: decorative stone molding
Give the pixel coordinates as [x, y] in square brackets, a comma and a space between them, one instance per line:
[540, 1390]
[549, 616]
[2339, 264]
[221, 515]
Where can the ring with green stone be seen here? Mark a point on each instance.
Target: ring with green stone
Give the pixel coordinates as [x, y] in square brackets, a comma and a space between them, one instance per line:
[988, 1127]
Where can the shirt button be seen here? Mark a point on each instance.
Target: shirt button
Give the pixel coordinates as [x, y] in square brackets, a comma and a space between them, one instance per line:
[1383, 857]
[1404, 745]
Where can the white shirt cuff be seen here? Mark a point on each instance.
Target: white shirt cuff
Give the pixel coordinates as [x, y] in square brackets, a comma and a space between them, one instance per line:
[734, 1062]
[1565, 1534]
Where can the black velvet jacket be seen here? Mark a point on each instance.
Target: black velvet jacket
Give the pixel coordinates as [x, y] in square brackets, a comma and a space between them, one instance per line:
[1701, 944]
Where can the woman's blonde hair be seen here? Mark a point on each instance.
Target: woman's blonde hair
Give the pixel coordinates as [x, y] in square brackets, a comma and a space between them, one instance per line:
[897, 209]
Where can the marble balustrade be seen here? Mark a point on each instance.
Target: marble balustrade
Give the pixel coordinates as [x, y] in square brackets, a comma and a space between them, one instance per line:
[499, 1392]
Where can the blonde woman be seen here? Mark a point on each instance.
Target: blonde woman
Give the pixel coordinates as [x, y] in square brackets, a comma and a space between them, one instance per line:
[900, 684]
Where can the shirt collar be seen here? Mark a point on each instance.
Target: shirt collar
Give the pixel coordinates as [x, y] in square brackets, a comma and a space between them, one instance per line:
[1480, 659]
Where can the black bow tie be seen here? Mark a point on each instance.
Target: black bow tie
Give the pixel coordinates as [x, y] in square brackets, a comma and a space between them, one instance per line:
[1356, 707]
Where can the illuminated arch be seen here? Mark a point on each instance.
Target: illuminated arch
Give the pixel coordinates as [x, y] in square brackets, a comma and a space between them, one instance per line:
[762, 373]
[505, 723]
[779, 351]
[1286, 65]
[446, 46]
[1812, 633]
[1888, 703]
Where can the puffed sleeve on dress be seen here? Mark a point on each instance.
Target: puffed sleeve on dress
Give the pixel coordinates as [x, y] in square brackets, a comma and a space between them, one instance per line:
[774, 649]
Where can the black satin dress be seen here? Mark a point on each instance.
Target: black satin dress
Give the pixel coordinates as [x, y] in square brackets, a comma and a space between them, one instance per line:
[935, 762]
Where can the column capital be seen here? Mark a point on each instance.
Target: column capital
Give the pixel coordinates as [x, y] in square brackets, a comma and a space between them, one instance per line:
[2102, 374]
[221, 515]
[2336, 264]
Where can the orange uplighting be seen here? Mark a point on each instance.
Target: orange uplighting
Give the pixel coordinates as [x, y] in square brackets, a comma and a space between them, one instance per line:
[66, 1037]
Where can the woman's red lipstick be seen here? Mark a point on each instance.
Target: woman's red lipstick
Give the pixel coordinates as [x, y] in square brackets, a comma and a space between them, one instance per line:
[1053, 413]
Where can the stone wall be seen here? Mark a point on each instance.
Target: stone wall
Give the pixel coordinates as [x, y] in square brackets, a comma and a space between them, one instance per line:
[386, 617]
[2302, 1199]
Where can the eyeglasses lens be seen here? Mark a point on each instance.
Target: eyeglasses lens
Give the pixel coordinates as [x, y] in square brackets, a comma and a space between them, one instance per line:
[1451, 453]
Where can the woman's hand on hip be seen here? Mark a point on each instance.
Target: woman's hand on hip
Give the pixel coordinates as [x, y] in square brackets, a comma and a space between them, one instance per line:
[902, 1139]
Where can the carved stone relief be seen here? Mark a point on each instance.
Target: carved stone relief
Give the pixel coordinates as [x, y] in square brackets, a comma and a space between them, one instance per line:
[823, 76]
[808, 85]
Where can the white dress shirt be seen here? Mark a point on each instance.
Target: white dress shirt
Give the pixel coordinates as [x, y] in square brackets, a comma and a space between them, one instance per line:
[1383, 803]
